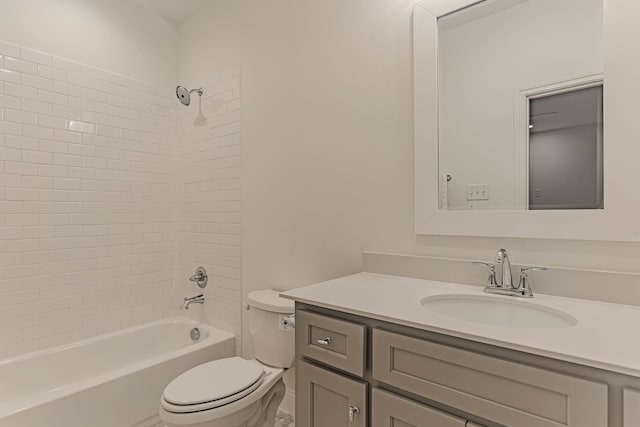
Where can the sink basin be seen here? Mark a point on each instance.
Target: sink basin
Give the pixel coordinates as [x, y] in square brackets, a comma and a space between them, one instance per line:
[499, 311]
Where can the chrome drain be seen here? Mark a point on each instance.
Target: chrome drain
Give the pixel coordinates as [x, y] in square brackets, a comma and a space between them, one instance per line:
[195, 334]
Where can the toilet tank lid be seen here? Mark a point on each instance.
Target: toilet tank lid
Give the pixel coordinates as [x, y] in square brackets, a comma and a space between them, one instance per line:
[270, 300]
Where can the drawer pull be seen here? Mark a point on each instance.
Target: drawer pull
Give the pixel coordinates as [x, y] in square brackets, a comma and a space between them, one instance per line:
[324, 341]
[353, 411]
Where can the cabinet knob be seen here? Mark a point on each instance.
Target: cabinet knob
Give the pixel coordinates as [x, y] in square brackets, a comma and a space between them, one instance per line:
[353, 411]
[324, 341]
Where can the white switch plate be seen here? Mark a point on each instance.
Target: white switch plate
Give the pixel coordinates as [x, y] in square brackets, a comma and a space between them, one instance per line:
[478, 192]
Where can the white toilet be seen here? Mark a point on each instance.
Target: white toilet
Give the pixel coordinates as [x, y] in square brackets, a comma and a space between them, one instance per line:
[235, 392]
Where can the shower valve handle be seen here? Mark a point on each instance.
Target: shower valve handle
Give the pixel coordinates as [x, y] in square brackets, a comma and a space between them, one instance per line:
[200, 277]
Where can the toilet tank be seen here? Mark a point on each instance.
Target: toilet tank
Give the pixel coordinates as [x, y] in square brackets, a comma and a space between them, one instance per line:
[271, 328]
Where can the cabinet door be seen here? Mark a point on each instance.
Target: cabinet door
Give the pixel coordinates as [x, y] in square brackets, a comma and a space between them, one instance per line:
[327, 399]
[389, 410]
[507, 393]
[631, 407]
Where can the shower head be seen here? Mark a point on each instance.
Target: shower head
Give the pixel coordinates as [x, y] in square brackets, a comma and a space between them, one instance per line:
[184, 94]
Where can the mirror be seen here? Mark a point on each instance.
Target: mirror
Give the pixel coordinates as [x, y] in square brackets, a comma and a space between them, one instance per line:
[617, 216]
[520, 106]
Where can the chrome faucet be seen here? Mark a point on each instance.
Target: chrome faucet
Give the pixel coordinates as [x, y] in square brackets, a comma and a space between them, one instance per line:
[503, 259]
[198, 299]
[506, 287]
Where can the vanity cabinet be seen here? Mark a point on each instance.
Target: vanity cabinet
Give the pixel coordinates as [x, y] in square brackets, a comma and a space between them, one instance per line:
[353, 371]
[333, 387]
[327, 399]
[508, 393]
[391, 410]
[631, 407]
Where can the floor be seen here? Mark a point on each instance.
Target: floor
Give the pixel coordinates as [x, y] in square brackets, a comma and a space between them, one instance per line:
[284, 420]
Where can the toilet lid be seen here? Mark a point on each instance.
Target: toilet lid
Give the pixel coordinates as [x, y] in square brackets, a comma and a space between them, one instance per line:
[211, 381]
[189, 409]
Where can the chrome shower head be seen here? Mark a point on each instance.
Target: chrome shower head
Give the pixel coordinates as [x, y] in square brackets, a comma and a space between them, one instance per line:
[184, 94]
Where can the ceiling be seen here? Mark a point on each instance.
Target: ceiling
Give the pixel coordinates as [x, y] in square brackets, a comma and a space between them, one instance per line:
[172, 10]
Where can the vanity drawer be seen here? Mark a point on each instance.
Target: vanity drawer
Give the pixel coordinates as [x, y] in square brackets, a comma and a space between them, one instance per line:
[504, 392]
[335, 342]
[389, 410]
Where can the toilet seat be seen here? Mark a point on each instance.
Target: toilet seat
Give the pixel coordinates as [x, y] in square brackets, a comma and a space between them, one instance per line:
[212, 385]
[237, 410]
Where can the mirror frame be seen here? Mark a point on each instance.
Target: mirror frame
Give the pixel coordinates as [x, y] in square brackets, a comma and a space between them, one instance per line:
[620, 218]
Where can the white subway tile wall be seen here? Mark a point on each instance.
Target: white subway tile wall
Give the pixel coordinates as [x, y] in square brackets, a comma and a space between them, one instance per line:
[92, 201]
[208, 226]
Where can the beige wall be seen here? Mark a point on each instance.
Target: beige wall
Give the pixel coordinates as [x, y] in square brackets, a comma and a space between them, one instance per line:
[111, 34]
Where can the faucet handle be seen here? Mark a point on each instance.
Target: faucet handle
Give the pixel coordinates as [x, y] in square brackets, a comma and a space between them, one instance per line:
[483, 264]
[524, 287]
[492, 282]
[525, 270]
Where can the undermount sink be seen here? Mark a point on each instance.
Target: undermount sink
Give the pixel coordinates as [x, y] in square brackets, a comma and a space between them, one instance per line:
[499, 311]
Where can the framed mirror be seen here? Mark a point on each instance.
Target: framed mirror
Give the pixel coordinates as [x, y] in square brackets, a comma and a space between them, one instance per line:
[511, 140]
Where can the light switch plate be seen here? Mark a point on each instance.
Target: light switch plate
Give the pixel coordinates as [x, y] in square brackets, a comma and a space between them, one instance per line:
[478, 192]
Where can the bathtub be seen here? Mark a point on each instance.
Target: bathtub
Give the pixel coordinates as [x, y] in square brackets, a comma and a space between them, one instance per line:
[113, 380]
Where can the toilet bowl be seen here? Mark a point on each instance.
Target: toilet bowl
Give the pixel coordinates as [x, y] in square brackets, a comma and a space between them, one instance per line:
[235, 392]
[230, 392]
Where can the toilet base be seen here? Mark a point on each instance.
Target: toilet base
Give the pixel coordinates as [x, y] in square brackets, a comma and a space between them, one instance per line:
[259, 414]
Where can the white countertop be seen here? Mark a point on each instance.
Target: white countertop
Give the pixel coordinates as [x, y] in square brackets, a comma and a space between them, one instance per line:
[607, 336]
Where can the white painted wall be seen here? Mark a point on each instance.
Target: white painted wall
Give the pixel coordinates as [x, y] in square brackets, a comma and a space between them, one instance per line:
[326, 131]
[326, 136]
[327, 139]
[115, 35]
[548, 41]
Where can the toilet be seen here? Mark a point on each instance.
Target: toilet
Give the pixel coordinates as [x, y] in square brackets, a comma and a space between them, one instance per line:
[235, 392]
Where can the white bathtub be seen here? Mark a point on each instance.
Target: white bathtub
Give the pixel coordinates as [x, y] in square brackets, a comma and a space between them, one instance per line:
[113, 380]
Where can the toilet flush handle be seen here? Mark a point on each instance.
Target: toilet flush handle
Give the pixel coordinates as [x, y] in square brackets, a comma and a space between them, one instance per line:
[288, 321]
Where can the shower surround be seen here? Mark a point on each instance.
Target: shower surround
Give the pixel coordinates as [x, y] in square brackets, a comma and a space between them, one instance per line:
[208, 221]
[95, 235]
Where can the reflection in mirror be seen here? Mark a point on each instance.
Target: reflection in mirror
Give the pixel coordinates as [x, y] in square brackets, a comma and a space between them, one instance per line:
[565, 150]
[498, 61]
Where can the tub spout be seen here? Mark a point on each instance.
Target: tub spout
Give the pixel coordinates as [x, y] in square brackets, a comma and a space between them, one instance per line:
[198, 299]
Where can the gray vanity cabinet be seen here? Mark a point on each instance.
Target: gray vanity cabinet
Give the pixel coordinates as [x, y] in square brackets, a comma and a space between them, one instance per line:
[328, 399]
[325, 398]
[353, 371]
[390, 410]
[631, 407]
[507, 393]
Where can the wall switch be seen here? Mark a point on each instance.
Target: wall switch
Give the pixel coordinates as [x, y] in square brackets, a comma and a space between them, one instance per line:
[478, 192]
